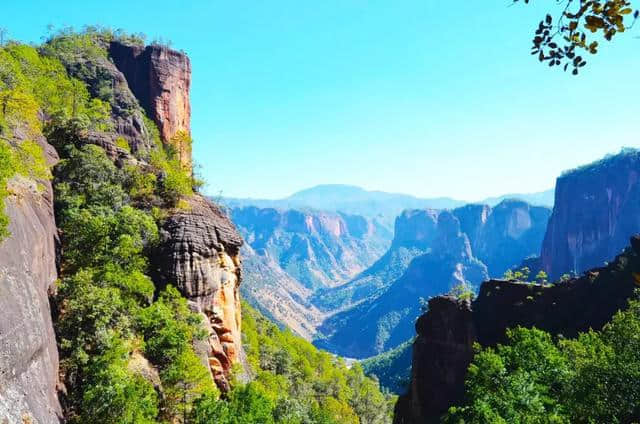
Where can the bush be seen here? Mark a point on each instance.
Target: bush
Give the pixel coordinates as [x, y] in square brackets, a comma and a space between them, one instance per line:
[534, 379]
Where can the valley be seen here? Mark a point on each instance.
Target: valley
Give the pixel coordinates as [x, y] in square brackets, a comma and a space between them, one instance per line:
[463, 294]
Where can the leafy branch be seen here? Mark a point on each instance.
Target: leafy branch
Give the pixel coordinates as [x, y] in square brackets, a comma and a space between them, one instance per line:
[558, 41]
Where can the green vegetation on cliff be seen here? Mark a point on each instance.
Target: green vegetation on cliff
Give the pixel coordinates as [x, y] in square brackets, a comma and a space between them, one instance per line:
[536, 379]
[126, 345]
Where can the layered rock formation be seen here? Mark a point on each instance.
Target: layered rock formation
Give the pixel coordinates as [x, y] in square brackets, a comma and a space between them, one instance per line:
[160, 78]
[199, 254]
[384, 322]
[597, 207]
[444, 347]
[28, 351]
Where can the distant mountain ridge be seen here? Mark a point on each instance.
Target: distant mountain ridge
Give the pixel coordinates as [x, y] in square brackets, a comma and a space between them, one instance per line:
[356, 200]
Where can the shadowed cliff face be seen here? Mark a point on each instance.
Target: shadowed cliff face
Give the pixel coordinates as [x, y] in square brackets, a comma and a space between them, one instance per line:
[443, 349]
[28, 351]
[199, 254]
[597, 207]
[160, 78]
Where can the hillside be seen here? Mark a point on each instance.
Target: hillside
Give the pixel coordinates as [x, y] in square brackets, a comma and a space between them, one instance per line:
[120, 282]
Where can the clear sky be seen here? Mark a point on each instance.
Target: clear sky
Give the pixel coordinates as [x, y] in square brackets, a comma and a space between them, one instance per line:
[427, 97]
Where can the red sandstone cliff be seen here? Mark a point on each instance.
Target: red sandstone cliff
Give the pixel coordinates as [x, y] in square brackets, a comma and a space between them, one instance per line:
[160, 78]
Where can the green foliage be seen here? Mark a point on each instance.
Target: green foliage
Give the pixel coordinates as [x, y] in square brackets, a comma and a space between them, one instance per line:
[534, 379]
[521, 274]
[558, 43]
[245, 405]
[462, 291]
[106, 314]
[122, 143]
[306, 384]
[26, 159]
[392, 368]
[174, 182]
[31, 83]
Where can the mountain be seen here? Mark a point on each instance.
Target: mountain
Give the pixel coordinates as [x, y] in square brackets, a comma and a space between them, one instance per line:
[277, 295]
[290, 255]
[597, 208]
[387, 321]
[424, 261]
[392, 368]
[319, 249]
[350, 200]
[414, 233]
[542, 198]
[502, 236]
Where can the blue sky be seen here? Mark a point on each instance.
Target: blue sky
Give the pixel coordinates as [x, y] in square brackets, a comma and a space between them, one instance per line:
[427, 97]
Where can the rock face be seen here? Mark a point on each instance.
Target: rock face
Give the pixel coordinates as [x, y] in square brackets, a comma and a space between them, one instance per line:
[199, 254]
[502, 236]
[597, 207]
[161, 79]
[384, 322]
[436, 372]
[106, 82]
[28, 352]
[443, 348]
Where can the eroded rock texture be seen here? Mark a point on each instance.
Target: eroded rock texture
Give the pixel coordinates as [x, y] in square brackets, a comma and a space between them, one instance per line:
[597, 208]
[28, 352]
[442, 350]
[436, 374]
[200, 256]
[161, 79]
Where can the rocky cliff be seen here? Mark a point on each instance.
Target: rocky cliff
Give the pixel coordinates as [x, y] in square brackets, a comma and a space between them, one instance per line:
[502, 236]
[28, 352]
[160, 78]
[199, 254]
[443, 349]
[597, 207]
[386, 321]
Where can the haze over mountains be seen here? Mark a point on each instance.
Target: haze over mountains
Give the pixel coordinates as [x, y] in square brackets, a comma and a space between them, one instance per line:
[358, 201]
[326, 249]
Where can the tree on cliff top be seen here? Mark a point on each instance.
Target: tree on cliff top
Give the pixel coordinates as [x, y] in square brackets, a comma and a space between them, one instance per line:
[578, 27]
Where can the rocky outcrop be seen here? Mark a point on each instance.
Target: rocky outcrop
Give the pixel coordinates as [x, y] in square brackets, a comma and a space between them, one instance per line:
[199, 254]
[443, 348]
[384, 322]
[440, 359]
[502, 236]
[597, 208]
[28, 352]
[160, 78]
